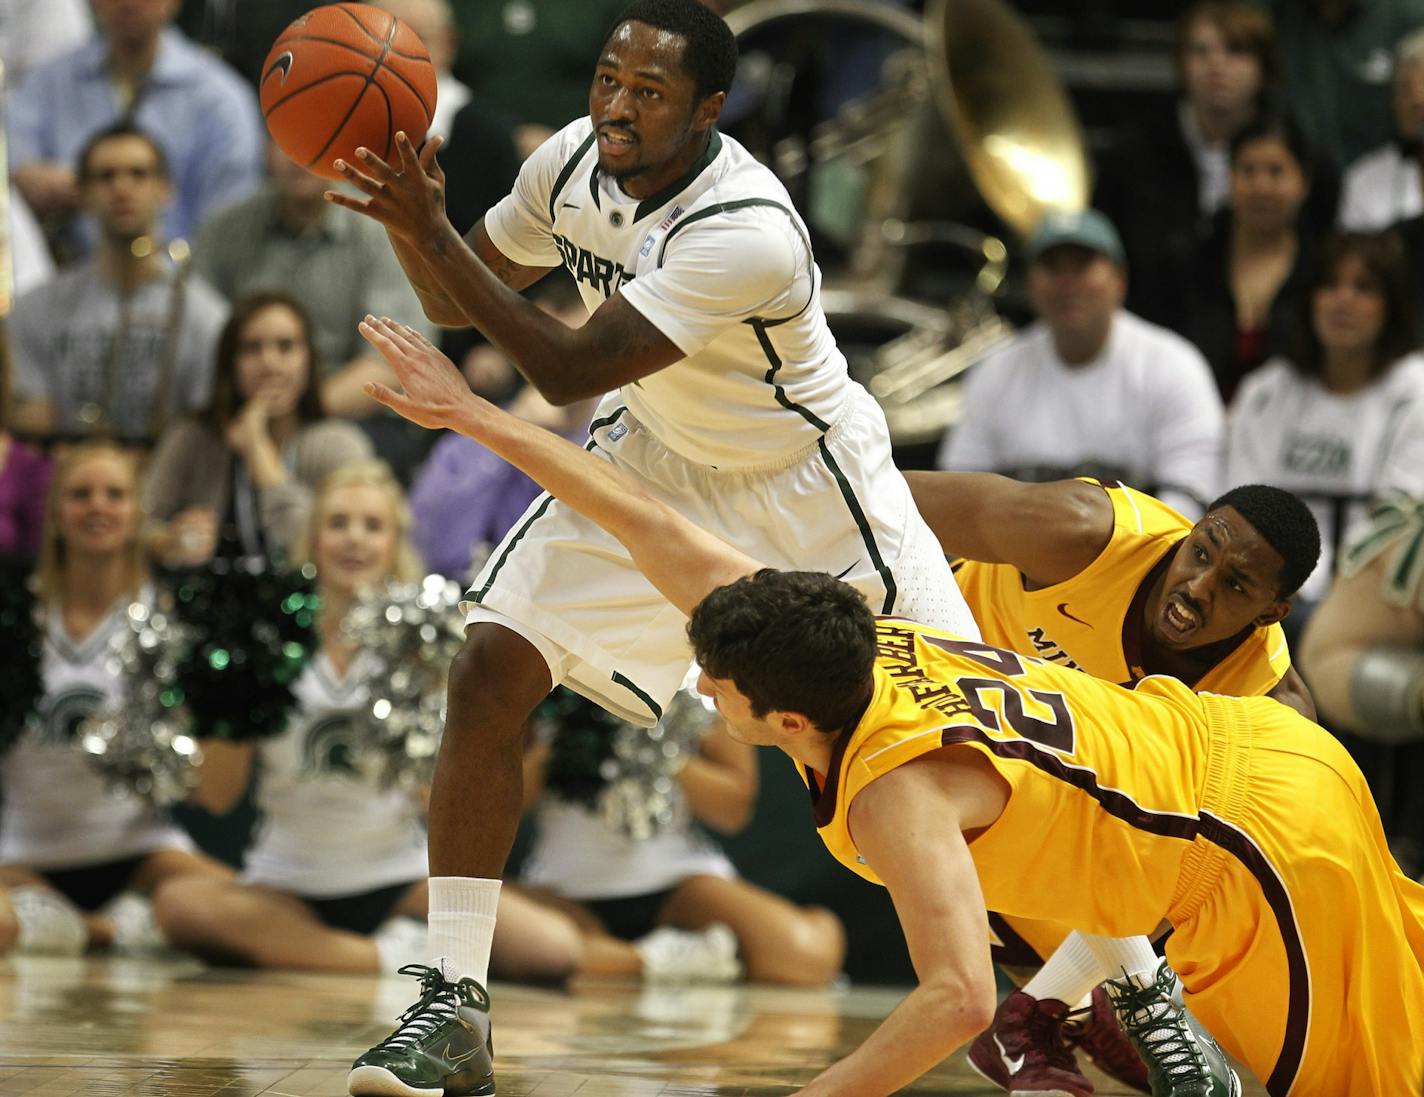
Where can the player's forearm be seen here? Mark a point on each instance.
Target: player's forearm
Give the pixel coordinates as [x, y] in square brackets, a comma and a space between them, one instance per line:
[439, 307]
[551, 356]
[927, 1026]
[683, 561]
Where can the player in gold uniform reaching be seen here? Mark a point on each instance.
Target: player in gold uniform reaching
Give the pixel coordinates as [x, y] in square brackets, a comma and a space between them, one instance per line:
[1102, 578]
[961, 775]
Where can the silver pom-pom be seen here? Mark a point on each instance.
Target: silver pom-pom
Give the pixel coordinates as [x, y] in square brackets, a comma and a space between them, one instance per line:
[643, 796]
[141, 744]
[411, 632]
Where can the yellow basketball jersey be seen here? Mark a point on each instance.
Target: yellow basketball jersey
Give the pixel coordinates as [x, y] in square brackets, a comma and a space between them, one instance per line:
[1094, 621]
[1106, 783]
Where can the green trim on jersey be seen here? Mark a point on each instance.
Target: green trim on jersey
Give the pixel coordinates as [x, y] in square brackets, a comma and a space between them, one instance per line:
[866, 534]
[655, 202]
[570, 166]
[642, 695]
[759, 326]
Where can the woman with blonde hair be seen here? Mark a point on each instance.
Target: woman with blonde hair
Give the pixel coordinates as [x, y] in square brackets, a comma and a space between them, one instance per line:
[336, 877]
[75, 853]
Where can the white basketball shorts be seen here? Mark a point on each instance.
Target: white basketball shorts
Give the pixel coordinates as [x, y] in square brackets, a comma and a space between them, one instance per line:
[839, 506]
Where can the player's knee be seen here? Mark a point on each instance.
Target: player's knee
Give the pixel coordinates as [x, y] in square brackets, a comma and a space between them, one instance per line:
[498, 675]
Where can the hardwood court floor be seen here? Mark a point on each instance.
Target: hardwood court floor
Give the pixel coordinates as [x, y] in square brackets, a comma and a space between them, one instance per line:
[115, 1028]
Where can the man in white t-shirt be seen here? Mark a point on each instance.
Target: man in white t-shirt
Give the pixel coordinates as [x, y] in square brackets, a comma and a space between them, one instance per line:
[1384, 186]
[1091, 389]
[726, 397]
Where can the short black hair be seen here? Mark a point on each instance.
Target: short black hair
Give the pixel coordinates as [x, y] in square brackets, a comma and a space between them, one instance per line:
[1287, 524]
[790, 641]
[710, 56]
[121, 128]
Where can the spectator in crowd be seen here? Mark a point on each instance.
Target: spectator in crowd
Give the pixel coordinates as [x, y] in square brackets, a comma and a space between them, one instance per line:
[24, 481]
[1364, 653]
[492, 494]
[336, 877]
[35, 31]
[287, 238]
[1341, 419]
[1162, 182]
[238, 479]
[1248, 275]
[118, 343]
[1090, 388]
[433, 21]
[1383, 186]
[656, 898]
[528, 59]
[1337, 60]
[76, 853]
[481, 162]
[141, 72]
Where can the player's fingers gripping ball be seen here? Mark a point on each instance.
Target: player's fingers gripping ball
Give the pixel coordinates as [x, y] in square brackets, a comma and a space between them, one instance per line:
[343, 76]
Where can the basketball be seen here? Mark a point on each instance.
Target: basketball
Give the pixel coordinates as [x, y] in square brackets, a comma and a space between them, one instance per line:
[342, 76]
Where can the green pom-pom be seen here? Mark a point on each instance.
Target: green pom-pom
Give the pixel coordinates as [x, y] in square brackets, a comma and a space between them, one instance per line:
[21, 647]
[253, 634]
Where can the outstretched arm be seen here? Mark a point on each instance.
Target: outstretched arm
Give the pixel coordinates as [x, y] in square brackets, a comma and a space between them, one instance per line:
[1049, 532]
[685, 562]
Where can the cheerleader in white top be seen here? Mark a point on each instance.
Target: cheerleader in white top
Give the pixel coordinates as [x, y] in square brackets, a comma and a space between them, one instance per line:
[335, 878]
[78, 855]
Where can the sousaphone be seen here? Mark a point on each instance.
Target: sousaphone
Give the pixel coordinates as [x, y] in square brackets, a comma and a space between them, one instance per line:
[967, 109]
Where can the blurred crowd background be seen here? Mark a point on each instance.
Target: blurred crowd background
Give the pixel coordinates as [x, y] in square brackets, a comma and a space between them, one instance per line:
[1226, 289]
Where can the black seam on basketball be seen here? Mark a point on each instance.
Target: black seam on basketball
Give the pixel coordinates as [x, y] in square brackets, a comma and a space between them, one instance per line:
[429, 111]
[356, 102]
[390, 123]
[374, 37]
[344, 74]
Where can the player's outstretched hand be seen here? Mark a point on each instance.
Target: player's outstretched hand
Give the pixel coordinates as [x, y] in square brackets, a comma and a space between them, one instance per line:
[407, 198]
[435, 394]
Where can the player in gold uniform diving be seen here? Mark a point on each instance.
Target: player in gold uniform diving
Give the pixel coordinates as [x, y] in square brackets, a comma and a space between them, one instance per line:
[963, 776]
[1096, 576]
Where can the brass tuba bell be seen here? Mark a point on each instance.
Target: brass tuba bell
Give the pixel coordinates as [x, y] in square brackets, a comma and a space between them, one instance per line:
[968, 108]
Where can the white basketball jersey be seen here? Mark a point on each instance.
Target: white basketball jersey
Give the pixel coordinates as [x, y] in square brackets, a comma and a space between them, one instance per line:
[720, 263]
[323, 831]
[58, 811]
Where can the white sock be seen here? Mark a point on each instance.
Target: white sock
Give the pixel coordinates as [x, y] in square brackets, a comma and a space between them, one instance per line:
[462, 910]
[1070, 974]
[1132, 955]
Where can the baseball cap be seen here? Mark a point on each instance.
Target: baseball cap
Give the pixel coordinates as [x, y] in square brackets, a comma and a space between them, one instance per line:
[1086, 228]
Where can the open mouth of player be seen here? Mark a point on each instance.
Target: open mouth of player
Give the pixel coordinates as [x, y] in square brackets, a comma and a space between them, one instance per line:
[614, 142]
[1180, 620]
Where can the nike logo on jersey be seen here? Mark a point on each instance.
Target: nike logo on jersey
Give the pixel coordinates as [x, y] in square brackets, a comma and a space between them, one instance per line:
[1013, 1062]
[847, 571]
[602, 274]
[1063, 609]
[569, 205]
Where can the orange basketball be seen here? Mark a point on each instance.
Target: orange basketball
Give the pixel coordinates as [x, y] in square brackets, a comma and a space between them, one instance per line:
[342, 76]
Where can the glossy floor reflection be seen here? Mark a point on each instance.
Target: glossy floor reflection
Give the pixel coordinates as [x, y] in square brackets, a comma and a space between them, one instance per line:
[112, 1028]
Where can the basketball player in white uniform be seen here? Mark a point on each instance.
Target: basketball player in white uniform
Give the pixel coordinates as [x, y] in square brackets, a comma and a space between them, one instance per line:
[726, 396]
